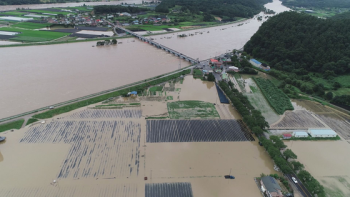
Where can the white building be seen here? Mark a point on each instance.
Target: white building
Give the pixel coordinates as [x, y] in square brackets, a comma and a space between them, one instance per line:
[255, 63]
[300, 134]
[322, 133]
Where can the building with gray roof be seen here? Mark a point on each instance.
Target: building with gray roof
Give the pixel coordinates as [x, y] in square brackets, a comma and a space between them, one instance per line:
[270, 187]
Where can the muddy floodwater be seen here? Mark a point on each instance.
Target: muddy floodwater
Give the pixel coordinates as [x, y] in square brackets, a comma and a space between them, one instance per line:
[37, 76]
[106, 152]
[209, 42]
[60, 5]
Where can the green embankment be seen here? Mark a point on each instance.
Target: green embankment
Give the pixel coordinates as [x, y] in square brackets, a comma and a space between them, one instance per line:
[31, 120]
[11, 125]
[73, 106]
[276, 97]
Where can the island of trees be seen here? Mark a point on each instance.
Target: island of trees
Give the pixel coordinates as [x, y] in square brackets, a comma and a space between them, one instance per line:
[227, 9]
[307, 53]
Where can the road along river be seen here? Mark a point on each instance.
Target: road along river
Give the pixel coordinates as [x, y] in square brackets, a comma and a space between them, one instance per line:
[36, 76]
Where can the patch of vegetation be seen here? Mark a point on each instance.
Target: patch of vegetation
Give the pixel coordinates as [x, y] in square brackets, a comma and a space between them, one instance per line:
[156, 117]
[169, 98]
[277, 99]
[156, 88]
[33, 35]
[309, 138]
[29, 25]
[11, 125]
[12, 13]
[79, 104]
[254, 89]
[134, 103]
[197, 73]
[31, 120]
[191, 109]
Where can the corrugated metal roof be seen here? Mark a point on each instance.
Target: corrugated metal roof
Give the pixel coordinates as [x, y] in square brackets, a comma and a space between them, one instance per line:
[300, 133]
[255, 61]
[322, 132]
[270, 184]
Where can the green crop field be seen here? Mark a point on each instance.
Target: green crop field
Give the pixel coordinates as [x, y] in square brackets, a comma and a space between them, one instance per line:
[34, 35]
[277, 99]
[11, 125]
[12, 13]
[156, 88]
[191, 109]
[29, 25]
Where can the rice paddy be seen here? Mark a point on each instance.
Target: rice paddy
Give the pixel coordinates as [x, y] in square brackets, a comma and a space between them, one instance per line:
[29, 25]
[196, 131]
[299, 119]
[191, 109]
[107, 113]
[100, 149]
[168, 190]
[34, 35]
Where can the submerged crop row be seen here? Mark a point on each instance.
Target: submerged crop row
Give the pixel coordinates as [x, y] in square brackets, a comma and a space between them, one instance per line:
[277, 99]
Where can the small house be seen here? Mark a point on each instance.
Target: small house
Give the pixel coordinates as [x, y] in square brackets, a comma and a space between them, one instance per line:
[287, 136]
[270, 187]
[300, 134]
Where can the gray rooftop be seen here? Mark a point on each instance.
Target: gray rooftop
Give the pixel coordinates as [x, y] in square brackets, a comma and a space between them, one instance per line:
[270, 184]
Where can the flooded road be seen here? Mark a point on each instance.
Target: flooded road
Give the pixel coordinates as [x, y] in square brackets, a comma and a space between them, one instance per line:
[213, 41]
[44, 75]
[59, 5]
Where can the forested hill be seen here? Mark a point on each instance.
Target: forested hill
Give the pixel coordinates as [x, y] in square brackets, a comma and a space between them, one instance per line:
[344, 15]
[222, 8]
[299, 43]
[18, 2]
[317, 3]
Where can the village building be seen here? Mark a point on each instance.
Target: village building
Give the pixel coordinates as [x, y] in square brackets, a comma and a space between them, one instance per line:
[300, 134]
[287, 136]
[270, 187]
[322, 133]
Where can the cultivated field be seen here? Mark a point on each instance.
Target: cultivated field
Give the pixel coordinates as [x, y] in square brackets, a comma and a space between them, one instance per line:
[107, 113]
[29, 25]
[338, 124]
[299, 119]
[33, 35]
[191, 109]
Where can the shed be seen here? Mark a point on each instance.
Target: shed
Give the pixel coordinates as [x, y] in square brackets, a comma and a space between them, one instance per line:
[287, 136]
[132, 93]
[300, 134]
[255, 63]
[322, 133]
[270, 187]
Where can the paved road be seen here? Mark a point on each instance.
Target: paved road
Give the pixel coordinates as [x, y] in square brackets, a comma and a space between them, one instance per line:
[299, 185]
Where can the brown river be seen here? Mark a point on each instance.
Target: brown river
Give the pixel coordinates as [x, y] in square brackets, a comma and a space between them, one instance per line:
[36, 76]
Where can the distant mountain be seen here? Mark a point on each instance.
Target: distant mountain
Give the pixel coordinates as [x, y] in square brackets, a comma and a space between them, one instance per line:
[297, 42]
[317, 3]
[222, 8]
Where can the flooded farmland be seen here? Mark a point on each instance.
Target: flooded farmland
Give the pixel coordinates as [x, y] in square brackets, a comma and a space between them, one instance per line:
[103, 151]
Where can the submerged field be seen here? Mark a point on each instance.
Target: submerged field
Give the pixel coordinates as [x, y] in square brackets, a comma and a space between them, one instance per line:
[192, 109]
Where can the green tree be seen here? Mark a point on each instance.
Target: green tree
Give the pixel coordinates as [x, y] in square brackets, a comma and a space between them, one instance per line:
[211, 77]
[114, 41]
[329, 95]
[297, 165]
[278, 142]
[289, 154]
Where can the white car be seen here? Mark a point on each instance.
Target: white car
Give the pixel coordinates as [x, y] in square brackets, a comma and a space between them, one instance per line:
[295, 180]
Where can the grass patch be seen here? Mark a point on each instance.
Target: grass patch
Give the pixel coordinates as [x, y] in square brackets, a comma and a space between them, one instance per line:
[344, 80]
[178, 89]
[48, 12]
[31, 120]
[29, 25]
[277, 99]
[170, 98]
[314, 138]
[197, 73]
[134, 103]
[79, 104]
[191, 109]
[11, 125]
[254, 89]
[34, 35]
[12, 13]
[341, 91]
[156, 118]
[156, 88]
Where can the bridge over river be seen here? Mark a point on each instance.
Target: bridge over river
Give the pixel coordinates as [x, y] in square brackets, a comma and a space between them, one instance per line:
[167, 49]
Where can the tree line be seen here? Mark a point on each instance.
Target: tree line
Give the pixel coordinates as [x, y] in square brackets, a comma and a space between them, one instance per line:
[317, 3]
[106, 9]
[18, 2]
[222, 8]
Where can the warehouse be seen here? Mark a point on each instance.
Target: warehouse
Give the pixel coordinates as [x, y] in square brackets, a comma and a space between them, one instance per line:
[300, 134]
[255, 63]
[322, 133]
